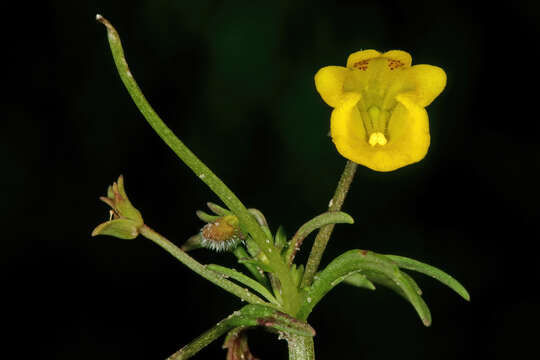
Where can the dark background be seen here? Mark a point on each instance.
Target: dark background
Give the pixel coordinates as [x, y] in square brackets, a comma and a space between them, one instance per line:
[234, 79]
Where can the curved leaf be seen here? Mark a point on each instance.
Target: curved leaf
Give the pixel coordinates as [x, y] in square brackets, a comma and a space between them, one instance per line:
[411, 264]
[330, 217]
[376, 268]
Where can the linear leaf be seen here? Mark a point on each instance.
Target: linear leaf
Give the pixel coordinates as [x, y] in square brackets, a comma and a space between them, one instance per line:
[218, 210]
[330, 217]
[411, 264]
[246, 280]
[416, 300]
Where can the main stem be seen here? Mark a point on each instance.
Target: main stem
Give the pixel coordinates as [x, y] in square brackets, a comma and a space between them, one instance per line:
[321, 240]
[300, 347]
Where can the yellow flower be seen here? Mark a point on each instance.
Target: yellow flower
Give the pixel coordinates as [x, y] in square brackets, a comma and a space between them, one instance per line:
[379, 118]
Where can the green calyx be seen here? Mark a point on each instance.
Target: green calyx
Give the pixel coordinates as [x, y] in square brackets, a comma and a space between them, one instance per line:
[125, 220]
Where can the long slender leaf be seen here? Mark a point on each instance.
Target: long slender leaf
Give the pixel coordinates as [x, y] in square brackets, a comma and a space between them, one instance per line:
[218, 210]
[331, 217]
[255, 271]
[416, 300]
[411, 264]
[246, 280]
[206, 217]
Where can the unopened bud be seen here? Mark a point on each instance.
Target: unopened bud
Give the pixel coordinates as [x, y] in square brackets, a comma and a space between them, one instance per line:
[223, 234]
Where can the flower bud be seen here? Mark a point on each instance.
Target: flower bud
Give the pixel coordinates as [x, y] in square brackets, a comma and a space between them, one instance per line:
[223, 234]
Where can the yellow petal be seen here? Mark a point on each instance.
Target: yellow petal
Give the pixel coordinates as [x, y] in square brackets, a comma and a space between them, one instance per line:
[329, 83]
[426, 83]
[356, 59]
[408, 135]
[402, 56]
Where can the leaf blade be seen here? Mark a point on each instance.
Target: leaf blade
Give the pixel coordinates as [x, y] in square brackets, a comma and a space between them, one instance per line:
[446, 279]
[246, 280]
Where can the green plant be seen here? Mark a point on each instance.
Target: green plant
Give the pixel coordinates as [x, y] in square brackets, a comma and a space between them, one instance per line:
[281, 294]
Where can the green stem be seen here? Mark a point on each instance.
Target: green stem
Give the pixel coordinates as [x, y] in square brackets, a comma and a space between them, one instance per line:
[200, 269]
[247, 221]
[324, 233]
[300, 347]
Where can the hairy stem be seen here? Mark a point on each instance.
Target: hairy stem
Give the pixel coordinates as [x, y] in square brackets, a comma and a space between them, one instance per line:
[324, 233]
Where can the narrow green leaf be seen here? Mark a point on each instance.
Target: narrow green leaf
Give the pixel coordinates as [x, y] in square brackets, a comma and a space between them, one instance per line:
[241, 278]
[331, 217]
[206, 217]
[413, 283]
[218, 210]
[411, 264]
[259, 216]
[258, 263]
[404, 283]
[255, 271]
[359, 280]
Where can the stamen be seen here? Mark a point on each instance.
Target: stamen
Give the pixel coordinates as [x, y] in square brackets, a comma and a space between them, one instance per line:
[377, 138]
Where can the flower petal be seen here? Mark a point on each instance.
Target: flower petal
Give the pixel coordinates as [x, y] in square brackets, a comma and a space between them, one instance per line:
[399, 55]
[361, 56]
[329, 83]
[426, 82]
[408, 132]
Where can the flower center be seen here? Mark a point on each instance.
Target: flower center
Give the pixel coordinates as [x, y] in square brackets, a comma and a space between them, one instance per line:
[375, 122]
[377, 138]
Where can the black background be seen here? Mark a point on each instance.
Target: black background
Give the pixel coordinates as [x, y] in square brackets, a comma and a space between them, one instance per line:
[234, 79]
